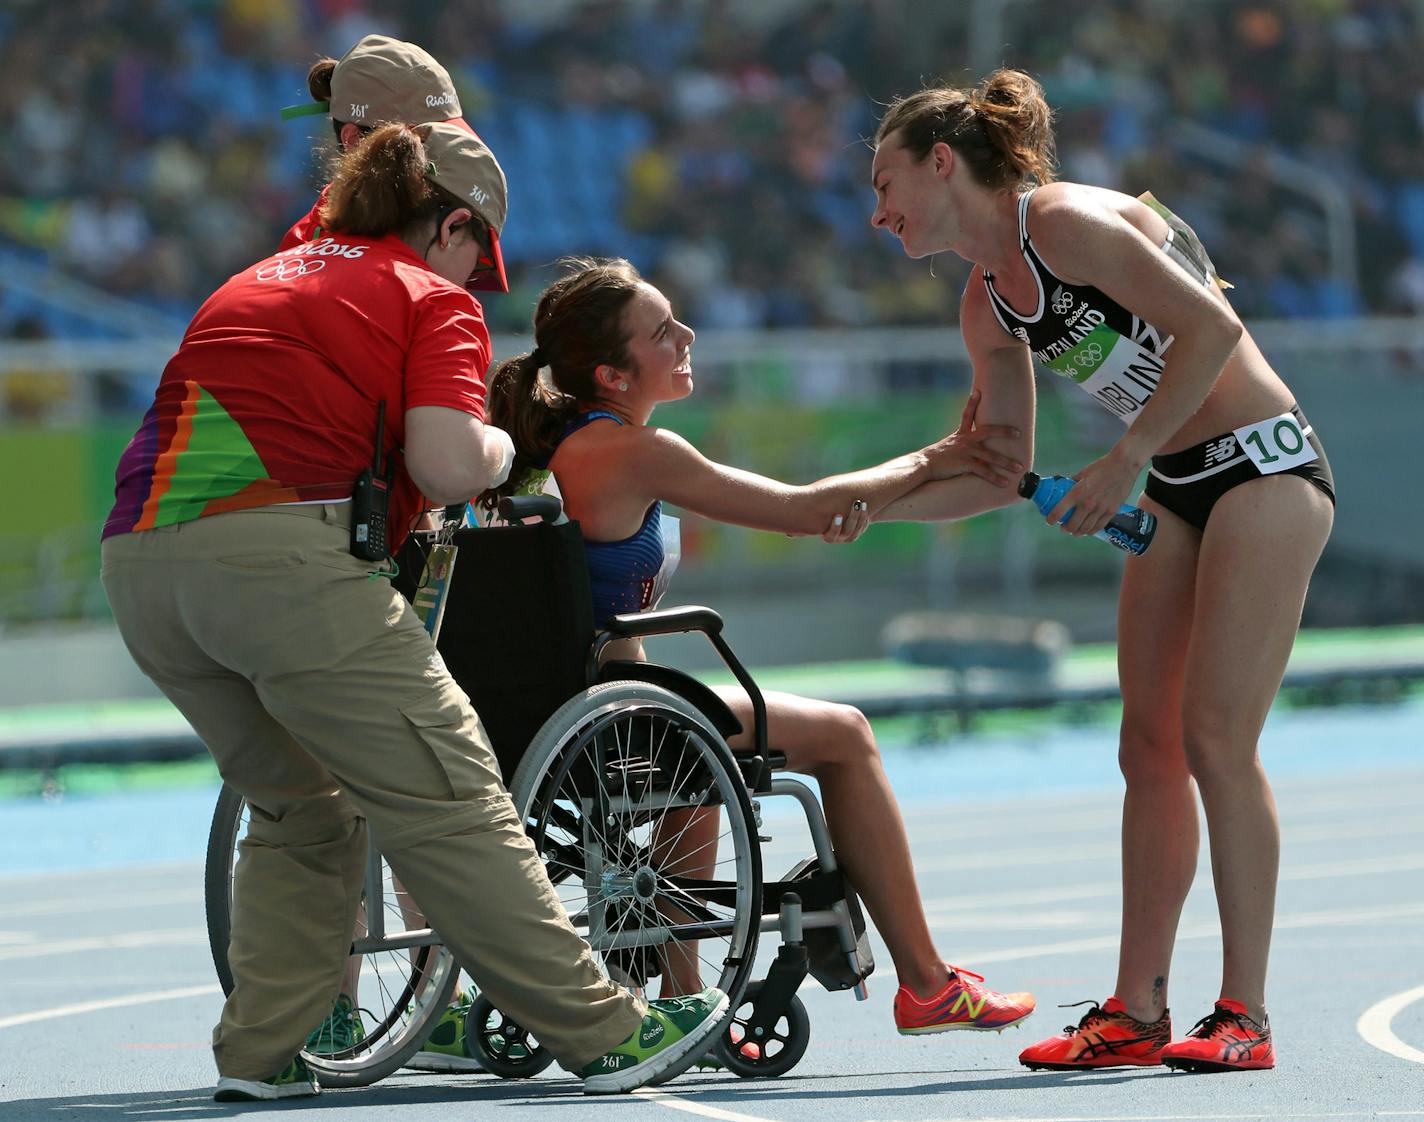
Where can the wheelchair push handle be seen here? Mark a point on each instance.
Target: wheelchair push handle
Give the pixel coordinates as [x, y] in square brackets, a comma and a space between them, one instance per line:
[547, 508]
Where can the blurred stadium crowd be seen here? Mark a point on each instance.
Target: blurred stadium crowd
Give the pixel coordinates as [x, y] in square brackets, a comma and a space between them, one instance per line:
[718, 146]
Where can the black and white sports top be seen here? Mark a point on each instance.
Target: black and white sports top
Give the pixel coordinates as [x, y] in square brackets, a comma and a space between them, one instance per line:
[1080, 332]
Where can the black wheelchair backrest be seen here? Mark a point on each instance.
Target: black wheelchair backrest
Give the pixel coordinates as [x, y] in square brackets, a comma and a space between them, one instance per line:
[517, 627]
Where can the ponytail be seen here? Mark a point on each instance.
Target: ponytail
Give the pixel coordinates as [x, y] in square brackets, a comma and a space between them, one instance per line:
[380, 187]
[1018, 122]
[578, 327]
[319, 79]
[1003, 128]
[534, 415]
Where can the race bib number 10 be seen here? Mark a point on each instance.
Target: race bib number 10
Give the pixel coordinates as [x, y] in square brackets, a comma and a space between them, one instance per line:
[1276, 444]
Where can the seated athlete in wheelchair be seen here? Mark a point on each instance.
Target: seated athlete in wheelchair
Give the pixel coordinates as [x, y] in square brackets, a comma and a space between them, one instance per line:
[613, 351]
[636, 782]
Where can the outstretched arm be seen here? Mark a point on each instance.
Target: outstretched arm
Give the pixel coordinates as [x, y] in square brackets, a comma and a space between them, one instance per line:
[1003, 377]
[665, 466]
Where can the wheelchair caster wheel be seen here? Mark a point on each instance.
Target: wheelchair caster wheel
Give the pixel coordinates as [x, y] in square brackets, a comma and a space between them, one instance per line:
[774, 1055]
[503, 1047]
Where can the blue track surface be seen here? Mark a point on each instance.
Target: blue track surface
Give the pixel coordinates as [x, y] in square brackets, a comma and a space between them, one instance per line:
[107, 992]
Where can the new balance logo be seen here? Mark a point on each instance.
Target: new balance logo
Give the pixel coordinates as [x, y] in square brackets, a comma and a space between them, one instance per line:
[965, 1002]
[1219, 451]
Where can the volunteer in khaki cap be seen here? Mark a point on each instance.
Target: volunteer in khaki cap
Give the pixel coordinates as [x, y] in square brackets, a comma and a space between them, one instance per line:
[383, 80]
[378, 81]
[463, 165]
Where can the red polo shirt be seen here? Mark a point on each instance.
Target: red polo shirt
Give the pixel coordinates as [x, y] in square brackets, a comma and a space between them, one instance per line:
[272, 396]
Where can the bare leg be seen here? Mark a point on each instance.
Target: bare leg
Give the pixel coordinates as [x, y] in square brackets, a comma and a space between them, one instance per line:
[834, 743]
[1257, 555]
[1160, 835]
[686, 846]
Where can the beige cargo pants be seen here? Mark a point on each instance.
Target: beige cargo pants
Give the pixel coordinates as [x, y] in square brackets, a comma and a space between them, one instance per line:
[324, 702]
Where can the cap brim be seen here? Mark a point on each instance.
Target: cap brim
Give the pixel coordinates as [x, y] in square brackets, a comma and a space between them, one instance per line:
[491, 278]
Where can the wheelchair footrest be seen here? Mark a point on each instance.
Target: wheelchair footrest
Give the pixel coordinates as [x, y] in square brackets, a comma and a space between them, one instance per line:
[840, 957]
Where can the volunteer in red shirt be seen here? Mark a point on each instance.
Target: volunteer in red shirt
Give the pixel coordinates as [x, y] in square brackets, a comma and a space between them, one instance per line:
[382, 81]
[228, 561]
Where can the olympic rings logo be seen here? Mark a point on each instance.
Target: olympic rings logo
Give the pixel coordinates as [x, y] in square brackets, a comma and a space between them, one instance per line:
[1088, 355]
[290, 268]
[1062, 302]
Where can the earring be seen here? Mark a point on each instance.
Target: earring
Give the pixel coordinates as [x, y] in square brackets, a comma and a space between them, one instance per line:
[623, 386]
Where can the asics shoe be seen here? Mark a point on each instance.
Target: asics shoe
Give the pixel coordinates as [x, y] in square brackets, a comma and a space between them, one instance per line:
[1106, 1036]
[447, 1048]
[960, 1005]
[291, 1082]
[674, 1033]
[1224, 1040]
[341, 1031]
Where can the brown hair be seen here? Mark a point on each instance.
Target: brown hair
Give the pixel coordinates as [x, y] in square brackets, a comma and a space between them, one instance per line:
[380, 186]
[319, 78]
[578, 327]
[1003, 128]
[319, 83]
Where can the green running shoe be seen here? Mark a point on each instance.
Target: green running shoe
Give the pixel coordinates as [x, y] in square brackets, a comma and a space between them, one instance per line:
[341, 1031]
[675, 1032]
[446, 1049]
[293, 1081]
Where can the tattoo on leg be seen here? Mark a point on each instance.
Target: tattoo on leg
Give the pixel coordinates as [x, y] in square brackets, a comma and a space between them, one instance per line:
[1157, 987]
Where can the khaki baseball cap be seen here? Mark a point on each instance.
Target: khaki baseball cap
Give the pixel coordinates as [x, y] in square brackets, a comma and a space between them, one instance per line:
[461, 163]
[386, 81]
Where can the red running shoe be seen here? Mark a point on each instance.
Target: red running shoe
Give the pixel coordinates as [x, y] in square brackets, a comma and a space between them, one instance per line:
[960, 1005]
[1224, 1040]
[1107, 1036]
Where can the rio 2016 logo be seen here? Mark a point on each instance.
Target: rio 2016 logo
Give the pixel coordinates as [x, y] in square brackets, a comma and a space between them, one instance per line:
[1089, 355]
[290, 269]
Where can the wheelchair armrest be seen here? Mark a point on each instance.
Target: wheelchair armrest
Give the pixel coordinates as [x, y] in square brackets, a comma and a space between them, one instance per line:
[516, 508]
[674, 621]
[667, 621]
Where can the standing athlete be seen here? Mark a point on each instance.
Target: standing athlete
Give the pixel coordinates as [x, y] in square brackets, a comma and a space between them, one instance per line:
[1117, 294]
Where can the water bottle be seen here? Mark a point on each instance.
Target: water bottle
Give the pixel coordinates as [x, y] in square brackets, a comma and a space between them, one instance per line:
[1130, 529]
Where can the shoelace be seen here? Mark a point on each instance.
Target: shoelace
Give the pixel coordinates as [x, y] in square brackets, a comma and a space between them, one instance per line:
[963, 972]
[1218, 1018]
[1096, 1013]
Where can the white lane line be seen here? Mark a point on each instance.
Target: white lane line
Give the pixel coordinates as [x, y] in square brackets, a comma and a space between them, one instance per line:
[107, 872]
[108, 1003]
[676, 1102]
[1376, 1021]
[133, 940]
[1056, 855]
[1234, 1116]
[97, 903]
[1366, 866]
[1343, 917]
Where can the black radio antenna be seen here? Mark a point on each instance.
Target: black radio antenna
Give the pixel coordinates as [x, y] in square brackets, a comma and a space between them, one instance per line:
[380, 435]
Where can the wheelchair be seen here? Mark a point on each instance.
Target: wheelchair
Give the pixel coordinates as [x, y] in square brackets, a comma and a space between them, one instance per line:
[611, 764]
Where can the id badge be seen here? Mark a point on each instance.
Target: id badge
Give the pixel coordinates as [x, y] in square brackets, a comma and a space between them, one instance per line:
[434, 587]
[1276, 444]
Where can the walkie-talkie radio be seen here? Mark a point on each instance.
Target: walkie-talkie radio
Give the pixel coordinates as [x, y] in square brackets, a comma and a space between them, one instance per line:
[371, 501]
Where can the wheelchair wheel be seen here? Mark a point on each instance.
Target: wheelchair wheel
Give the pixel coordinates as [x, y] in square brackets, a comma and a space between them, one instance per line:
[609, 790]
[505, 1049]
[400, 993]
[773, 1056]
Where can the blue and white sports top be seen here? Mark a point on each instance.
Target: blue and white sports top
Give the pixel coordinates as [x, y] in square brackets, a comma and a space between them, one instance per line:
[629, 575]
[1081, 333]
